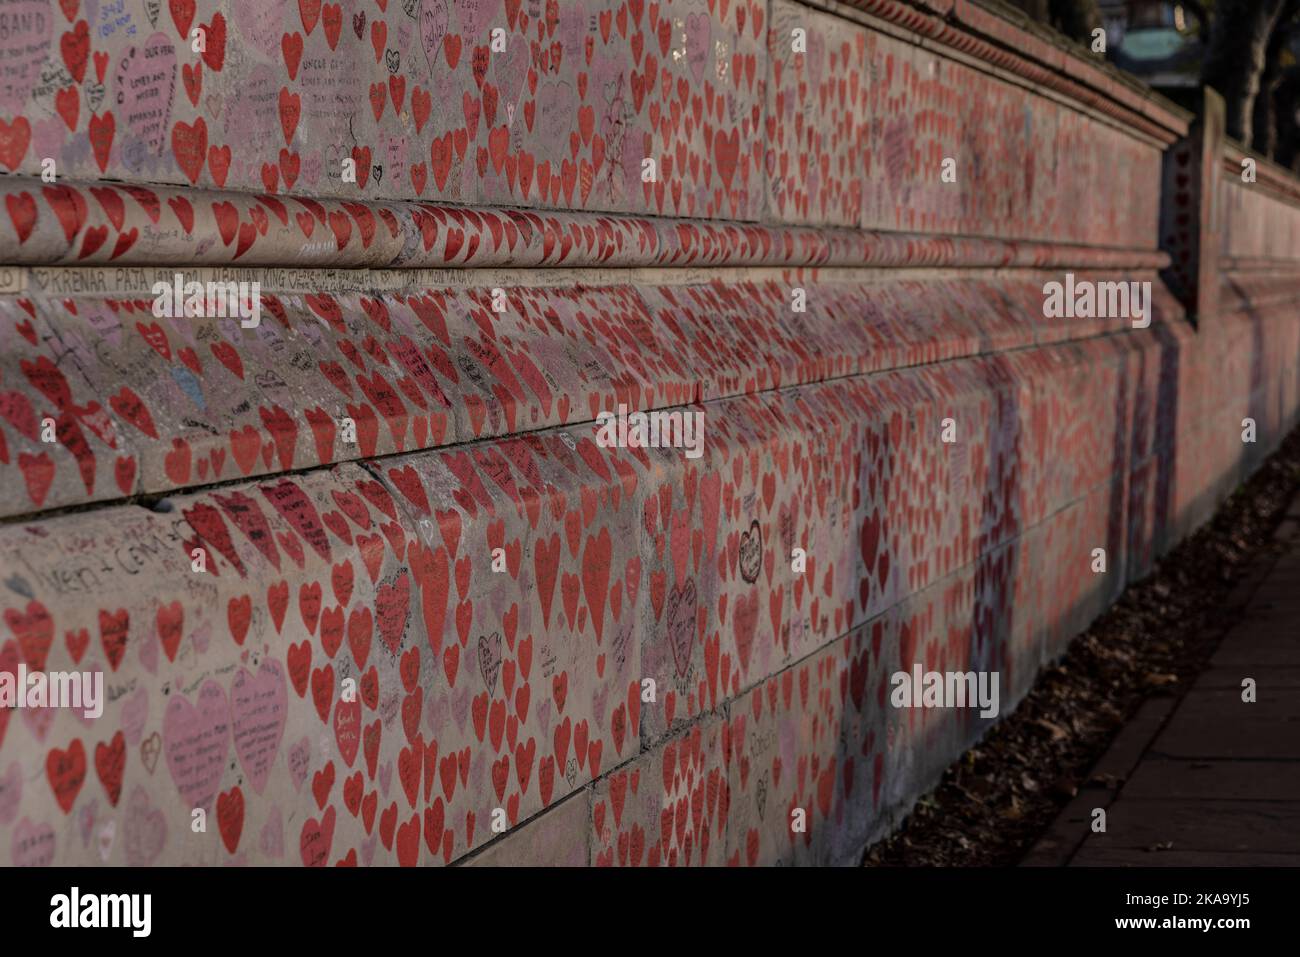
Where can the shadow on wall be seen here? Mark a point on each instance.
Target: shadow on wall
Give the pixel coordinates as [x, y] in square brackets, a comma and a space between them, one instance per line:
[1131, 547]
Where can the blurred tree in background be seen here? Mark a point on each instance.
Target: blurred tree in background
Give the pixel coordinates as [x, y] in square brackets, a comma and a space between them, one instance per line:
[1244, 62]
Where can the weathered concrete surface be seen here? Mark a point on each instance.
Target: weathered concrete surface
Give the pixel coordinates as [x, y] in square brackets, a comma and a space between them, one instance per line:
[193, 401]
[516, 694]
[556, 838]
[482, 690]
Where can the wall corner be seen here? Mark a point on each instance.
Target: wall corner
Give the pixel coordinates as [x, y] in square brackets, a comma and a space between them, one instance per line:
[1189, 211]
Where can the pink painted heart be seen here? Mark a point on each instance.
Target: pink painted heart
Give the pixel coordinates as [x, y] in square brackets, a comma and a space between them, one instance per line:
[145, 829]
[299, 762]
[135, 712]
[259, 708]
[33, 844]
[196, 739]
[271, 840]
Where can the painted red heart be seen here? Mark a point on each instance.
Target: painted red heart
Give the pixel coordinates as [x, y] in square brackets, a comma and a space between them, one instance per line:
[66, 771]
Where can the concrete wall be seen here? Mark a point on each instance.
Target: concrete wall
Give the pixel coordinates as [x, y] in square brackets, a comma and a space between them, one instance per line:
[517, 693]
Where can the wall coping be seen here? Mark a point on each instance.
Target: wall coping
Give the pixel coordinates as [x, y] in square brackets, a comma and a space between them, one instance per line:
[1277, 179]
[1002, 36]
[129, 225]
